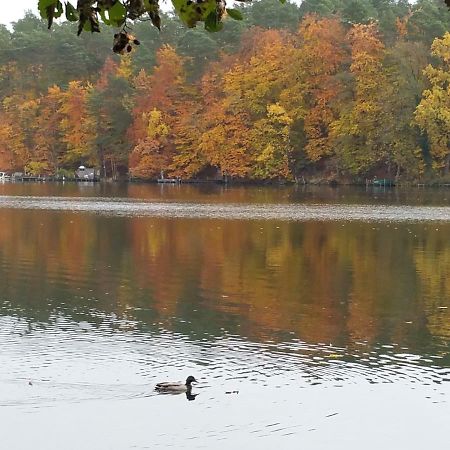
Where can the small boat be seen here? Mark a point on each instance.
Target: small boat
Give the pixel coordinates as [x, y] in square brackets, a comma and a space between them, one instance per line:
[383, 182]
[169, 180]
[162, 179]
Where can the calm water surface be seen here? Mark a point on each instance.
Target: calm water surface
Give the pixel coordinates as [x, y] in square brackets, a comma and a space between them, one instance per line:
[313, 318]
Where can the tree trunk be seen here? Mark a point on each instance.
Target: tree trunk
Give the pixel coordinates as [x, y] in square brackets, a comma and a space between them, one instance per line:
[112, 168]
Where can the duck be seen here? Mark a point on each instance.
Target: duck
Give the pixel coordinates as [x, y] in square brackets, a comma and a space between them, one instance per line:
[176, 387]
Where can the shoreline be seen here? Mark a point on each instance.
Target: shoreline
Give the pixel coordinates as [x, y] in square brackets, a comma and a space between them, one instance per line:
[333, 184]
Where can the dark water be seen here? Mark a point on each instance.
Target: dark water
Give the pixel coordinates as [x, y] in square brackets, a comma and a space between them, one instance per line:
[313, 318]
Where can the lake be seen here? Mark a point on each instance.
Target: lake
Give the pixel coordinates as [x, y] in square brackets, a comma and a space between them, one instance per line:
[312, 317]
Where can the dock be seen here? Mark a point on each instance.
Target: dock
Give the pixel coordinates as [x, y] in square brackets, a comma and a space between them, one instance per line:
[169, 180]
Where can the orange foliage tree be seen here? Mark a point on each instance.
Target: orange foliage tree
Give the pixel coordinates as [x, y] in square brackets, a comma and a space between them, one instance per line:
[48, 150]
[159, 100]
[77, 125]
[18, 125]
[319, 57]
[224, 141]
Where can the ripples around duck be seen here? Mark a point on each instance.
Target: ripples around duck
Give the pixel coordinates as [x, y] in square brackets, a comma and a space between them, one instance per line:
[256, 389]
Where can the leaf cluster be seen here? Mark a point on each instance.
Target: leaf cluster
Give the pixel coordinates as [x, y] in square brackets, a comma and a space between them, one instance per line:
[90, 14]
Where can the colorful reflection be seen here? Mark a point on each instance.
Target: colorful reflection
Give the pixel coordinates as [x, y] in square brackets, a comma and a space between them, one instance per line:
[326, 282]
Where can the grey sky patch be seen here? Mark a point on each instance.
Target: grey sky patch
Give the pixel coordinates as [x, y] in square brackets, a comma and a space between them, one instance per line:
[16, 10]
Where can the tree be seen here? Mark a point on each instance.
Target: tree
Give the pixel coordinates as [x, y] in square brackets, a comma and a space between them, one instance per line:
[149, 157]
[156, 90]
[429, 20]
[66, 59]
[166, 92]
[109, 111]
[433, 113]
[270, 14]
[311, 99]
[252, 88]
[224, 141]
[188, 159]
[48, 152]
[404, 64]
[271, 140]
[19, 112]
[77, 126]
[199, 49]
[358, 132]
[259, 74]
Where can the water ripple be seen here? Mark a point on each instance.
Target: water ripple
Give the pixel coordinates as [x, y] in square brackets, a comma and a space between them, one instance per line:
[291, 212]
[71, 362]
[291, 388]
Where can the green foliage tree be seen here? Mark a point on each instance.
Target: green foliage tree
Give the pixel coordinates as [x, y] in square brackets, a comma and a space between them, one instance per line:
[109, 109]
[270, 14]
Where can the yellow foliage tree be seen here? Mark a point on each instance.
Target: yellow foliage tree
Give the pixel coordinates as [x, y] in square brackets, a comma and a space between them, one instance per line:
[18, 127]
[358, 141]
[433, 113]
[149, 158]
[271, 141]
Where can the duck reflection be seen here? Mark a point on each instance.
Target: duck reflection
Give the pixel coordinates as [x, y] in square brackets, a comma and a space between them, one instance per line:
[190, 396]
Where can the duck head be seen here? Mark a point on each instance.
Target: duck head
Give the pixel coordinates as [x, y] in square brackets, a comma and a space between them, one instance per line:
[190, 379]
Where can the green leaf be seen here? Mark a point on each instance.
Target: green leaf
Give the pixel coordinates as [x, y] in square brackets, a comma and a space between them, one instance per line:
[212, 23]
[105, 20]
[235, 14]
[283, 1]
[71, 13]
[87, 26]
[59, 10]
[50, 9]
[43, 5]
[191, 12]
[156, 19]
[152, 7]
[117, 14]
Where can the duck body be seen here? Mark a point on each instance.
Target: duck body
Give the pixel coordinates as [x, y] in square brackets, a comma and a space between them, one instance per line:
[171, 387]
[175, 387]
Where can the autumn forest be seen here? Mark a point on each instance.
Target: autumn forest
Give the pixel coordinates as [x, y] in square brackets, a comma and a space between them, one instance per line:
[329, 90]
